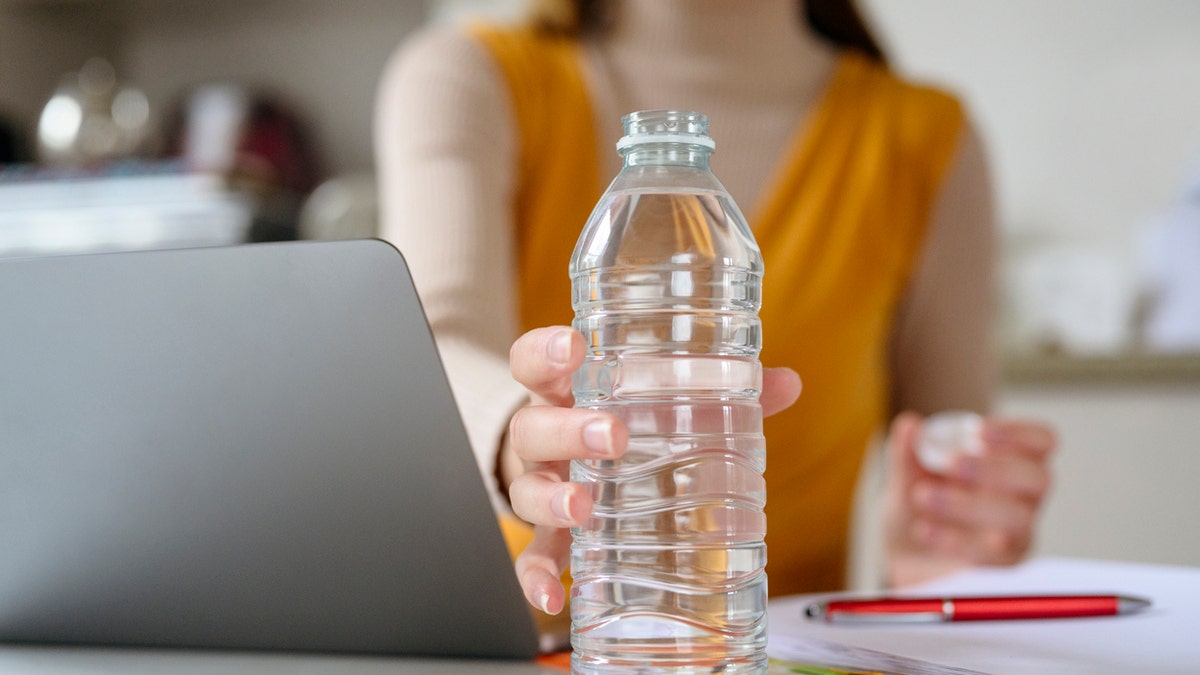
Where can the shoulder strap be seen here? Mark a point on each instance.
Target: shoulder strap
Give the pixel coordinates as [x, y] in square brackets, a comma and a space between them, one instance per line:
[559, 172]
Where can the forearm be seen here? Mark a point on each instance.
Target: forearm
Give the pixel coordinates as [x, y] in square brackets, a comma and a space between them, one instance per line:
[942, 349]
[445, 152]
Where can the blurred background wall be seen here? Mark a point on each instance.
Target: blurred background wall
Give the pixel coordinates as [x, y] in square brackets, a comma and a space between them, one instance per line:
[1090, 109]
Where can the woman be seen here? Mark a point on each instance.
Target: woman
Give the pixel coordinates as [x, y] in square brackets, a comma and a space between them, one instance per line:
[870, 200]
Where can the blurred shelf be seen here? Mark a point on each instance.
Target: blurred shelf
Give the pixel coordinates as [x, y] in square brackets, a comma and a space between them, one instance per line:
[1116, 368]
[130, 206]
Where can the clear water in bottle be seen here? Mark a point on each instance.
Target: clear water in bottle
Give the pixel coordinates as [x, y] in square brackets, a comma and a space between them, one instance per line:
[669, 570]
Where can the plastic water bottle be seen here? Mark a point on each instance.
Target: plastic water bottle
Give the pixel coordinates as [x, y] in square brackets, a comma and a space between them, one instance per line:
[666, 277]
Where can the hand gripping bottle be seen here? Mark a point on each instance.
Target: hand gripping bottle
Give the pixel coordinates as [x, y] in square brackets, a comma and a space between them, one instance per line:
[666, 277]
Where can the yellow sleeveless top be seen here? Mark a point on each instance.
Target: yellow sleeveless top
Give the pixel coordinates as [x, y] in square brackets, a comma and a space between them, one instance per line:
[842, 226]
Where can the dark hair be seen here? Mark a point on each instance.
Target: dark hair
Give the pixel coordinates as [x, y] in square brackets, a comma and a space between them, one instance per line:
[838, 21]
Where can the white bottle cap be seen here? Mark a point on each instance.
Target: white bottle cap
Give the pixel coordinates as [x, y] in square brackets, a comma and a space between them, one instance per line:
[947, 434]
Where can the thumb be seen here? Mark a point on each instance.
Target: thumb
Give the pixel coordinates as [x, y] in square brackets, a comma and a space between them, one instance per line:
[903, 466]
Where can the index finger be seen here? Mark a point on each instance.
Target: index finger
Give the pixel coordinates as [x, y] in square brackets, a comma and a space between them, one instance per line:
[543, 359]
[1032, 438]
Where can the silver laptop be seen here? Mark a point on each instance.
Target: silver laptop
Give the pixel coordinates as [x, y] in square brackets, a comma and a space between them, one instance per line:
[245, 447]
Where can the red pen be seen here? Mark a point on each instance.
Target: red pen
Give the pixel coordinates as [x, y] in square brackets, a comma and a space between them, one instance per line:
[938, 610]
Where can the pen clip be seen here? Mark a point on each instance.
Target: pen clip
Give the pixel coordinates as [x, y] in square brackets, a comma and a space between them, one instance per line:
[884, 617]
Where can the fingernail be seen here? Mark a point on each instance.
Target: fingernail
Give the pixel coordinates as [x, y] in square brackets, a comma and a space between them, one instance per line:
[920, 494]
[967, 469]
[993, 432]
[933, 535]
[926, 496]
[926, 533]
[598, 437]
[544, 602]
[560, 504]
[560, 349]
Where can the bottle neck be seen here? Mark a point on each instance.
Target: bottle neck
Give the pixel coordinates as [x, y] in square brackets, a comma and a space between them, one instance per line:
[667, 154]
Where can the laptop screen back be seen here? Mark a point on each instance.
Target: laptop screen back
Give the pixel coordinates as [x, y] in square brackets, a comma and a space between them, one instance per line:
[244, 447]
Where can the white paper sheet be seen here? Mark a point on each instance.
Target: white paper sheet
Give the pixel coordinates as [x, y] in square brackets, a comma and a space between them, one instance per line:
[1164, 639]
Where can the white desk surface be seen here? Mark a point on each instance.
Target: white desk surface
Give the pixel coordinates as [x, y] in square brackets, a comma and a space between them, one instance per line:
[1161, 640]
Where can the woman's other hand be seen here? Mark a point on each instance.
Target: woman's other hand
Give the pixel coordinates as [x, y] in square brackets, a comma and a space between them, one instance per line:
[982, 511]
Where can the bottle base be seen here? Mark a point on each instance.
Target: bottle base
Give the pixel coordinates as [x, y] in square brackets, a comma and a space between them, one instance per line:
[582, 666]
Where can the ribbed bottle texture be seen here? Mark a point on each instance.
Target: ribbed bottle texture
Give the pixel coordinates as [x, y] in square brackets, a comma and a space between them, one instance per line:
[666, 277]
